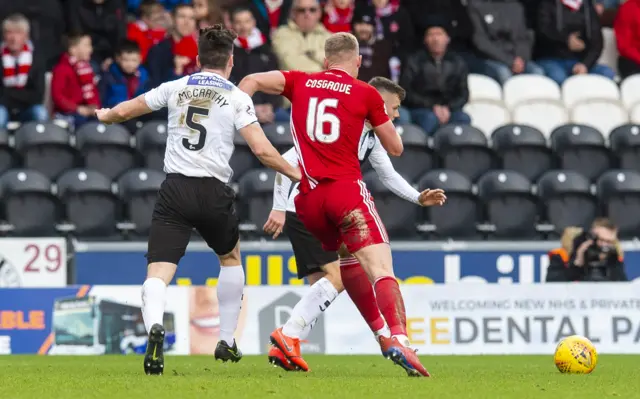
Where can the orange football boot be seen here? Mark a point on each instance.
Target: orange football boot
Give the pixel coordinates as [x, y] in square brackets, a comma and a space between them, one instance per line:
[278, 359]
[290, 347]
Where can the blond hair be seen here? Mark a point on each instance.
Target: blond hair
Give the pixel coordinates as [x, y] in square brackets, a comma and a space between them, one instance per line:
[340, 47]
[568, 235]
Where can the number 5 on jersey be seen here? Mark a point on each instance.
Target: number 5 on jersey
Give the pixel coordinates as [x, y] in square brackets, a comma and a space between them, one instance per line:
[318, 115]
[192, 124]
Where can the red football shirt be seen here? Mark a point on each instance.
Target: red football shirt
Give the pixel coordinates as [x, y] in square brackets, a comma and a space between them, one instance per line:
[328, 112]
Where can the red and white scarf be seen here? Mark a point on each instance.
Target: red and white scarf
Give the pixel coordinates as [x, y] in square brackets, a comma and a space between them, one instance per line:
[254, 40]
[274, 8]
[16, 67]
[572, 4]
[87, 80]
[338, 19]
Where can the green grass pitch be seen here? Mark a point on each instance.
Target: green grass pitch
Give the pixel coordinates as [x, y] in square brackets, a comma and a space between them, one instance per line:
[455, 377]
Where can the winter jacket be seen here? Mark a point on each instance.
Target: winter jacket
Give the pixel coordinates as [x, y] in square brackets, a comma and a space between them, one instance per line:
[114, 85]
[66, 90]
[627, 29]
[297, 51]
[429, 82]
[375, 59]
[259, 11]
[246, 62]
[499, 30]
[104, 22]
[20, 98]
[454, 11]
[555, 22]
[160, 63]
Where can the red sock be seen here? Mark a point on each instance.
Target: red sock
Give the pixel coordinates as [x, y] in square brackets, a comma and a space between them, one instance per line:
[391, 304]
[359, 288]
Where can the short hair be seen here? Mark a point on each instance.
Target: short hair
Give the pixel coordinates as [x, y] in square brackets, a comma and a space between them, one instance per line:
[148, 7]
[238, 10]
[16, 19]
[75, 38]
[389, 86]
[180, 6]
[339, 45]
[127, 47]
[215, 46]
[604, 222]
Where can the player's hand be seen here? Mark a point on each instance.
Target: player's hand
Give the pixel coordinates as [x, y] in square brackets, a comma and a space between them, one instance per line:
[432, 197]
[275, 223]
[101, 114]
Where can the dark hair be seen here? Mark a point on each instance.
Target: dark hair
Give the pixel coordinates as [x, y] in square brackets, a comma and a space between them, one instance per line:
[127, 47]
[175, 10]
[384, 84]
[215, 46]
[74, 38]
[147, 7]
[238, 10]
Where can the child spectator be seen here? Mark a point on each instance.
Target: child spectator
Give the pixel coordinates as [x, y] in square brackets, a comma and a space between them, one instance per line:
[73, 87]
[149, 29]
[338, 15]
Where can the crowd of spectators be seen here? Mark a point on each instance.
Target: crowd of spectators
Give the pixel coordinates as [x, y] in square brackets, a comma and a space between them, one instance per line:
[116, 49]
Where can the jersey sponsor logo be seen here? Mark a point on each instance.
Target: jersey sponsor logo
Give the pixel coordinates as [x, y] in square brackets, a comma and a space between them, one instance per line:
[209, 80]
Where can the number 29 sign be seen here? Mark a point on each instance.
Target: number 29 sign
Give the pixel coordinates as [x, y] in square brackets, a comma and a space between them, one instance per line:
[33, 262]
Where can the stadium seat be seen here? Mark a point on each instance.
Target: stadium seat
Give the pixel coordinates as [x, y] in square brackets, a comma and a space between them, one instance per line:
[138, 190]
[279, 134]
[8, 156]
[417, 157]
[106, 149]
[522, 149]
[458, 217]
[487, 115]
[482, 87]
[521, 89]
[30, 208]
[255, 189]
[579, 88]
[609, 55]
[399, 216]
[45, 148]
[604, 115]
[567, 199]
[242, 159]
[528, 113]
[625, 145]
[630, 91]
[464, 149]
[89, 202]
[619, 196]
[151, 140]
[510, 207]
[581, 148]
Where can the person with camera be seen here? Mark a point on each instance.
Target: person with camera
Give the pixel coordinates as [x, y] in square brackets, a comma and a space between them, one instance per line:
[594, 255]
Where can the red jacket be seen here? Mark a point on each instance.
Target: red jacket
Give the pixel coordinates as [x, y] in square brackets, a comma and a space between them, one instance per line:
[66, 90]
[627, 29]
[146, 38]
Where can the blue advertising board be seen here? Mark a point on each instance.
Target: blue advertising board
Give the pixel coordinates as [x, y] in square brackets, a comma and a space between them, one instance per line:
[274, 263]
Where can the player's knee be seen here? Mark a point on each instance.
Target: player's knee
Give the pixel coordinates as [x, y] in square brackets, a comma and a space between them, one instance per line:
[162, 270]
[232, 258]
[314, 277]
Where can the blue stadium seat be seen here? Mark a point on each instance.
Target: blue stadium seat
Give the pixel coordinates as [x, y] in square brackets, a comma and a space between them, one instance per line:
[459, 216]
[29, 206]
[91, 207]
[619, 196]
[45, 148]
[463, 148]
[523, 149]
[106, 149]
[581, 148]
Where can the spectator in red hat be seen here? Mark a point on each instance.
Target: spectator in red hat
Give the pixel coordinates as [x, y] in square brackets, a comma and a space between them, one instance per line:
[338, 15]
[149, 30]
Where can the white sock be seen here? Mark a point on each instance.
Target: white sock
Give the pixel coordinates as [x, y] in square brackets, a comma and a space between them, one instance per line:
[384, 331]
[317, 299]
[403, 339]
[153, 298]
[230, 286]
[307, 329]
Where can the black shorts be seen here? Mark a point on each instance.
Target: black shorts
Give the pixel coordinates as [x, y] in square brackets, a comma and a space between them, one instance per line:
[306, 248]
[185, 203]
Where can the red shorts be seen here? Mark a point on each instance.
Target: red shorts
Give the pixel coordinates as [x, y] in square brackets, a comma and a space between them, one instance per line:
[341, 211]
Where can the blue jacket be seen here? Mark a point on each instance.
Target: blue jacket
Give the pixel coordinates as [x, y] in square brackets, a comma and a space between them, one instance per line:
[113, 85]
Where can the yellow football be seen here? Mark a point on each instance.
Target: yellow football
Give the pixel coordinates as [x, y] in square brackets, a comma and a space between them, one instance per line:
[575, 355]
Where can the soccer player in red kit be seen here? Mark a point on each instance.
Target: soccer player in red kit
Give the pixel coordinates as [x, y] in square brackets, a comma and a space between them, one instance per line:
[328, 113]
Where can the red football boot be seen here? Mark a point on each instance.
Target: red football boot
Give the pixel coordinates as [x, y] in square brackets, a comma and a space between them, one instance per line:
[278, 359]
[403, 356]
[290, 347]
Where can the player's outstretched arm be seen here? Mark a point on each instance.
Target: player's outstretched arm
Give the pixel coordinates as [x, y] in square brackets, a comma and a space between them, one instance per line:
[266, 152]
[124, 111]
[271, 82]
